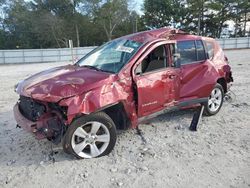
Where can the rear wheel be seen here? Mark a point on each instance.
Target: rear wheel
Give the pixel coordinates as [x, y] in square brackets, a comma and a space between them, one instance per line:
[90, 136]
[215, 101]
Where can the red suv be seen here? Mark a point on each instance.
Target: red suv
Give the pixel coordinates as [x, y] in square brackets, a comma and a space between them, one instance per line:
[120, 84]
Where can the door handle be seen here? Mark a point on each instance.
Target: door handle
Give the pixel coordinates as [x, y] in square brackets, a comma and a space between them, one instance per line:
[171, 76]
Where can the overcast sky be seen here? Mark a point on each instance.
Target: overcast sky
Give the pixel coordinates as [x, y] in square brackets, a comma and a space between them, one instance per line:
[135, 5]
[138, 5]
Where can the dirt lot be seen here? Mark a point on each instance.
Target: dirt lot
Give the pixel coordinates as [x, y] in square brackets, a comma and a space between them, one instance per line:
[218, 155]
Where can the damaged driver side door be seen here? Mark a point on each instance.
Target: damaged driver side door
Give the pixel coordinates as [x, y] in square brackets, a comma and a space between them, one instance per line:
[156, 80]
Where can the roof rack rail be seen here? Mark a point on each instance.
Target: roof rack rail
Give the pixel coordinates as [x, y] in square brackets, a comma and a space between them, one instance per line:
[178, 31]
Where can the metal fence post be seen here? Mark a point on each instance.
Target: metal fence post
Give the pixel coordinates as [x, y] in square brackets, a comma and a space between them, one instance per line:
[4, 57]
[59, 53]
[71, 49]
[23, 56]
[42, 56]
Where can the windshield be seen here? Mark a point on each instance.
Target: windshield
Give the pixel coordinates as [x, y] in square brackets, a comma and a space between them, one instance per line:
[112, 56]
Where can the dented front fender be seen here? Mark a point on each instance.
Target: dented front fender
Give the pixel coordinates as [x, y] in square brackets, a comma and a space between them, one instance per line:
[99, 98]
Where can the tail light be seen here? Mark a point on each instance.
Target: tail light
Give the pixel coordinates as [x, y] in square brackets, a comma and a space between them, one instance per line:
[226, 68]
[228, 72]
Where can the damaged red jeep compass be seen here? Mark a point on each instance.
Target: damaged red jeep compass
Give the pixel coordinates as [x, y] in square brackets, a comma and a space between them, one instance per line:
[120, 84]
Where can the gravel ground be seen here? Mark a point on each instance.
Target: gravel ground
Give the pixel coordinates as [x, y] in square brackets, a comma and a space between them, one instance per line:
[218, 155]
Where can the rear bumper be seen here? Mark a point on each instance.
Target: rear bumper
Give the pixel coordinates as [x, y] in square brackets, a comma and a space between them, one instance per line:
[28, 125]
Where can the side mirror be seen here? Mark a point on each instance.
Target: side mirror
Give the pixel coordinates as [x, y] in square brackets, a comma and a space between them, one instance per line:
[207, 54]
[138, 70]
[177, 62]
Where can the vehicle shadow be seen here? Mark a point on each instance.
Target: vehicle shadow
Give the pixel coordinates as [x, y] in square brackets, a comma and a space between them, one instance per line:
[178, 117]
[19, 148]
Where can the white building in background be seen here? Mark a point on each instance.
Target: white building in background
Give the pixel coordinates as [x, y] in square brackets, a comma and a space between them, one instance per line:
[230, 30]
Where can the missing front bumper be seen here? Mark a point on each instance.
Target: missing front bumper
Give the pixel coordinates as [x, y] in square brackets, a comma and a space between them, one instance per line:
[48, 126]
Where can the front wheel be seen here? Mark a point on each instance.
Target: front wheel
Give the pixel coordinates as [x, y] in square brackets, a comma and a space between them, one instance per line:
[90, 136]
[215, 101]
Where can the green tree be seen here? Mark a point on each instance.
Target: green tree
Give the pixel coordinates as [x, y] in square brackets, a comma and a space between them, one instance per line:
[221, 11]
[109, 14]
[161, 13]
[196, 15]
[18, 24]
[241, 13]
[59, 17]
[157, 13]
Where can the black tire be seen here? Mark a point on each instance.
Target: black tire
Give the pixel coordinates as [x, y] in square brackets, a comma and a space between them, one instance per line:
[207, 107]
[99, 117]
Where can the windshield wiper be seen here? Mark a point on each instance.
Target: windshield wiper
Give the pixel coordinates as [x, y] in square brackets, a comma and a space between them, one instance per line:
[91, 67]
[95, 68]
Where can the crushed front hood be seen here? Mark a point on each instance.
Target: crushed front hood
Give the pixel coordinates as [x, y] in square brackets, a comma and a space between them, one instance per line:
[61, 82]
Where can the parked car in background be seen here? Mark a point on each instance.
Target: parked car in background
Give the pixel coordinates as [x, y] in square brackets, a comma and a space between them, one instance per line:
[120, 84]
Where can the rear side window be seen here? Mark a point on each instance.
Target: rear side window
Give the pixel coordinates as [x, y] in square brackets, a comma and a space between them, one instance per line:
[191, 51]
[210, 49]
[187, 51]
[201, 55]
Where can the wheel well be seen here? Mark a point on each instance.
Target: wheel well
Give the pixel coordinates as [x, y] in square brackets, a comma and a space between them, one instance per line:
[223, 83]
[118, 115]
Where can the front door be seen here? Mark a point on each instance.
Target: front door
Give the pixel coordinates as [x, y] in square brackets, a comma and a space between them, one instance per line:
[155, 81]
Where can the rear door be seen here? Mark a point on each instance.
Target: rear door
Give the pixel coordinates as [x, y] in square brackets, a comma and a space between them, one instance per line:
[195, 75]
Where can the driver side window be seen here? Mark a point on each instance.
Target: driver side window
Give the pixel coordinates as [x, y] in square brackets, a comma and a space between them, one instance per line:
[153, 61]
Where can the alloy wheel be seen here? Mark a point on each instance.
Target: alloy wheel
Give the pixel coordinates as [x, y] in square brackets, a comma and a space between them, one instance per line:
[215, 100]
[90, 140]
